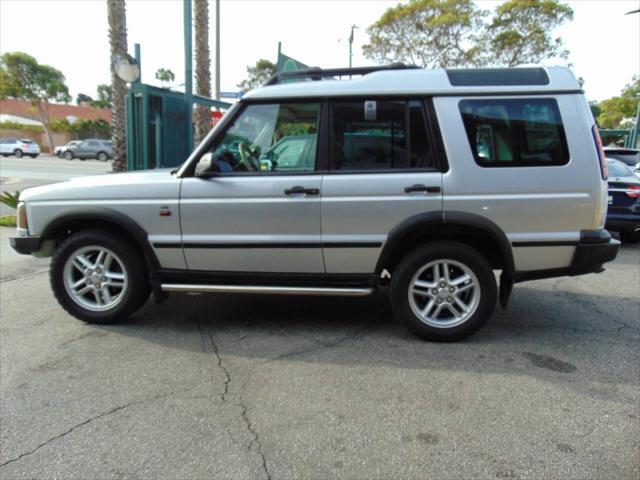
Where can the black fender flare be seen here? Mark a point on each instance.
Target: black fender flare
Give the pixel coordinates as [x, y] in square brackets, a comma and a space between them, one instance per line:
[412, 226]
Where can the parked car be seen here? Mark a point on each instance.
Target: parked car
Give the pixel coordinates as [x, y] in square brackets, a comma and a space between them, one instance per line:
[427, 182]
[59, 151]
[628, 156]
[623, 214]
[19, 147]
[90, 148]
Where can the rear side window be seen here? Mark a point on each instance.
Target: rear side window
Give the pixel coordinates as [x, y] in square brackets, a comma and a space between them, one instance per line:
[515, 132]
[379, 135]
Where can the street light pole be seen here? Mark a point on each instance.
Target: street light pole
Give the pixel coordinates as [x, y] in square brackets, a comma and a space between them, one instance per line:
[353, 27]
[217, 50]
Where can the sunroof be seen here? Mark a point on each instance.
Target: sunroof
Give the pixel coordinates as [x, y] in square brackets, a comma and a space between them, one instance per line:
[488, 77]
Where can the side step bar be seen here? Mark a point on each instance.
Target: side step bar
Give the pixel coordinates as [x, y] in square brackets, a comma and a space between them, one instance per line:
[269, 290]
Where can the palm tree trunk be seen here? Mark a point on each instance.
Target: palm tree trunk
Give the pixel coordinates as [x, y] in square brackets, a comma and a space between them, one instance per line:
[43, 112]
[118, 41]
[203, 68]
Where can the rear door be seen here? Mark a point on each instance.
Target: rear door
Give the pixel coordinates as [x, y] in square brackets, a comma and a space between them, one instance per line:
[384, 169]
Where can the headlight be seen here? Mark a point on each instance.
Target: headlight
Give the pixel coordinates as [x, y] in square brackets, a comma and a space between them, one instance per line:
[21, 216]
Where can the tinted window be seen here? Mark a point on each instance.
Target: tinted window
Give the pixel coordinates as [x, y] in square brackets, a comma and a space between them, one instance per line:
[375, 135]
[92, 144]
[515, 133]
[270, 138]
[629, 158]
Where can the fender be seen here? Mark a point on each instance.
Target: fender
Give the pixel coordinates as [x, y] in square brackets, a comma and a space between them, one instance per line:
[429, 221]
[121, 220]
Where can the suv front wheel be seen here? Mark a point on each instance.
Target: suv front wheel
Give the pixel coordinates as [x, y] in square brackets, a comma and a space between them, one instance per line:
[443, 291]
[98, 277]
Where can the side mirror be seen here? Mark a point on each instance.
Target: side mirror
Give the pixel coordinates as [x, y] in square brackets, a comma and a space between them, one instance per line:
[206, 166]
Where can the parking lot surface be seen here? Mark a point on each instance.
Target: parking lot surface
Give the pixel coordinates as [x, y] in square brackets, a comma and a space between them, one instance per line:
[224, 386]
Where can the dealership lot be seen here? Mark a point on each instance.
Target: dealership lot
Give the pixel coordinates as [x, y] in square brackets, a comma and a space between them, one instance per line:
[257, 387]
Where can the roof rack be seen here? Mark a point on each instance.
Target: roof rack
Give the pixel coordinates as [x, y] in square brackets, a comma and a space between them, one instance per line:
[316, 73]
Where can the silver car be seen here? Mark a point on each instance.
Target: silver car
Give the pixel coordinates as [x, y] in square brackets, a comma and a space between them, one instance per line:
[89, 148]
[424, 182]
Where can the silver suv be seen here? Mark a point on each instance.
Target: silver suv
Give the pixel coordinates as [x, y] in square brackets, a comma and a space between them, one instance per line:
[425, 182]
[89, 148]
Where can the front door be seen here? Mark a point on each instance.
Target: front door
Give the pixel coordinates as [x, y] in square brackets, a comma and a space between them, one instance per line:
[257, 209]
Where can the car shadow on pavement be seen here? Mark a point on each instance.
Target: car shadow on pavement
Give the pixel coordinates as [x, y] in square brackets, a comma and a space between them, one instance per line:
[551, 335]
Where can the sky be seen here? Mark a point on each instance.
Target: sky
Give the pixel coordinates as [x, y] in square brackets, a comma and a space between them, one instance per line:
[71, 35]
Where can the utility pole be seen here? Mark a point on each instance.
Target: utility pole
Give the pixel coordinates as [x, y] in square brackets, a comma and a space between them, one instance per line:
[188, 72]
[353, 27]
[217, 50]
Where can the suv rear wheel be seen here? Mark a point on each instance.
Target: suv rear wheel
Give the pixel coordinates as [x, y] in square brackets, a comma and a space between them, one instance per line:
[443, 291]
[17, 153]
[98, 277]
[103, 157]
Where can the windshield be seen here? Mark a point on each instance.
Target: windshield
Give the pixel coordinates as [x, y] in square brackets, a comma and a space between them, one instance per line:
[617, 169]
[629, 158]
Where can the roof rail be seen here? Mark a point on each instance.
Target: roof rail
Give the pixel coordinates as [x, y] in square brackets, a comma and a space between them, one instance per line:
[316, 73]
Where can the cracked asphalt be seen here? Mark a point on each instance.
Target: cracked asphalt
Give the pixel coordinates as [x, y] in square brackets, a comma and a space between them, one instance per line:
[247, 387]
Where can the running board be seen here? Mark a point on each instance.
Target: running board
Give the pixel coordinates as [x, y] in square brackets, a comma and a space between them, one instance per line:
[269, 290]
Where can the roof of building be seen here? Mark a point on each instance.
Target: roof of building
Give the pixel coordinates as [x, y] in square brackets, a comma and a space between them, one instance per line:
[413, 81]
[24, 109]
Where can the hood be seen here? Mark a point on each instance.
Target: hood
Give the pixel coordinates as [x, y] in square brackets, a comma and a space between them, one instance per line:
[115, 186]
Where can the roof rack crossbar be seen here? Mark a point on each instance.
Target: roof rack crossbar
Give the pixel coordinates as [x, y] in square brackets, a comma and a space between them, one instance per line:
[315, 73]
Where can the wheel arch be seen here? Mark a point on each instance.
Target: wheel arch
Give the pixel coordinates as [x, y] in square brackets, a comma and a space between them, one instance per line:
[102, 218]
[474, 230]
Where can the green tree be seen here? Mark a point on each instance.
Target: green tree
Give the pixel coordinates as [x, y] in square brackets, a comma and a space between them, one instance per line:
[521, 31]
[104, 92]
[257, 75]
[22, 77]
[616, 111]
[83, 97]
[202, 114]
[428, 33]
[165, 75]
[117, 19]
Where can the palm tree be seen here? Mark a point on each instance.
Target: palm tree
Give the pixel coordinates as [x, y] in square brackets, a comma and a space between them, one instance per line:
[202, 121]
[118, 41]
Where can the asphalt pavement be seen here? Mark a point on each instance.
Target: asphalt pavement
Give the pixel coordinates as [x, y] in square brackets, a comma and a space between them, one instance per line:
[248, 387]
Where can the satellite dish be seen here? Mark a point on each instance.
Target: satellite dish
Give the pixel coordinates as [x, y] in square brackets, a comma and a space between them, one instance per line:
[127, 68]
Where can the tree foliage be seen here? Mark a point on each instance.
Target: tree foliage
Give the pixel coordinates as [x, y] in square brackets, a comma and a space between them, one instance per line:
[83, 98]
[454, 33]
[618, 112]
[165, 75]
[521, 32]
[257, 75]
[429, 33]
[22, 77]
[104, 92]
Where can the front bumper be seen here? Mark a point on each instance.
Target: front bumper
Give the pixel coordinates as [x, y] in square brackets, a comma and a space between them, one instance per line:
[25, 245]
[596, 247]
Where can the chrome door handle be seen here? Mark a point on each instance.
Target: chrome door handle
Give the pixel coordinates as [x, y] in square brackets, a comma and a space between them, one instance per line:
[301, 190]
[418, 187]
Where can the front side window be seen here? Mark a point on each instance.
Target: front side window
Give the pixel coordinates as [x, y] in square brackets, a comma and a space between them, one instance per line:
[515, 132]
[379, 135]
[270, 138]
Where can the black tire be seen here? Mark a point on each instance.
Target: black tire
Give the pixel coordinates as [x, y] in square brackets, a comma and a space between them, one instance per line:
[134, 296]
[630, 237]
[102, 157]
[68, 155]
[17, 153]
[35, 155]
[420, 257]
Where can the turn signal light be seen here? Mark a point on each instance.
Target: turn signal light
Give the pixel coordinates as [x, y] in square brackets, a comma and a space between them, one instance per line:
[21, 216]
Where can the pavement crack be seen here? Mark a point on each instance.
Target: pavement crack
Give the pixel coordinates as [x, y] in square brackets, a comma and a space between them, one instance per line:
[82, 424]
[220, 364]
[256, 438]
